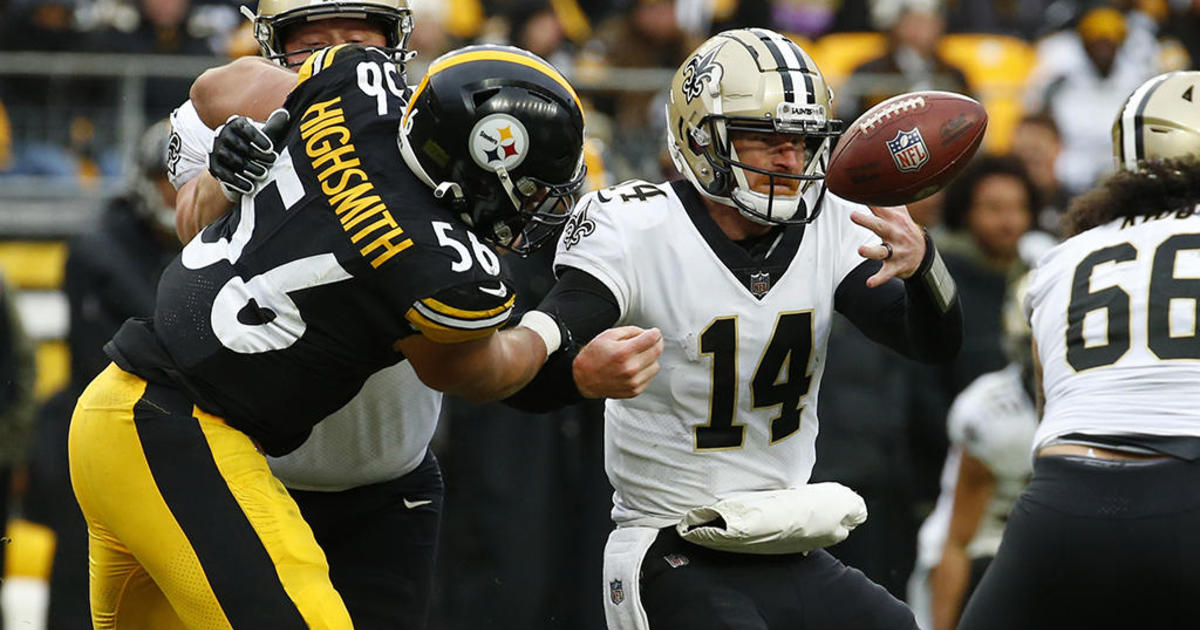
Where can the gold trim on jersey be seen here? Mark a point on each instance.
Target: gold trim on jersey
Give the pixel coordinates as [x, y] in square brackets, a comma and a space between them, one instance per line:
[316, 62]
[448, 334]
[327, 142]
[457, 313]
[491, 55]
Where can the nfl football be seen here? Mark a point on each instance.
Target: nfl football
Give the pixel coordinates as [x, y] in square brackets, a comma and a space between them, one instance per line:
[906, 148]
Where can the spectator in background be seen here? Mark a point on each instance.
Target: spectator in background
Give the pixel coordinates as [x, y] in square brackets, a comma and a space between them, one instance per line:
[111, 274]
[649, 36]
[535, 26]
[1037, 144]
[1081, 80]
[986, 212]
[1025, 19]
[16, 402]
[910, 63]
[164, 28]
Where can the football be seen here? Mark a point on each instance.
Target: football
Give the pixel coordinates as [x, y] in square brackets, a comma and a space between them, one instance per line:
[906, 148]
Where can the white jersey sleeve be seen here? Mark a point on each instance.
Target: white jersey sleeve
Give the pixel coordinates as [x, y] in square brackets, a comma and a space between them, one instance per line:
[593, 242]
[188, 147]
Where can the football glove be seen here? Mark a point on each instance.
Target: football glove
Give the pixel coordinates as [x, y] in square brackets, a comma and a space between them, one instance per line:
[243, 151]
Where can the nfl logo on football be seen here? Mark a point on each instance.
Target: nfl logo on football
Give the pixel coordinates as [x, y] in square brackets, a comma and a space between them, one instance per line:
[908, 150]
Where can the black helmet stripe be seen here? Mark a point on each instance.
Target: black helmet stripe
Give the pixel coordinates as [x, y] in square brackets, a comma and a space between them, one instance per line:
[1132, 135]
[788, 64]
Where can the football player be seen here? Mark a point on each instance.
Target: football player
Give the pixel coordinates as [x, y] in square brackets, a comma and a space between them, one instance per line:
[387, 490]
[741, 265]
[350, 256]
[991, 425]
[1107, 534]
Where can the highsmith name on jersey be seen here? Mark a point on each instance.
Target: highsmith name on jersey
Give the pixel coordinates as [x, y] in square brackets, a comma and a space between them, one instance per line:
[1114, 313]
[733, 408]
[275, 315]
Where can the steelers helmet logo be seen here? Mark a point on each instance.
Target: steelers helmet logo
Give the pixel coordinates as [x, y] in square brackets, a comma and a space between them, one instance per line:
[499, 140]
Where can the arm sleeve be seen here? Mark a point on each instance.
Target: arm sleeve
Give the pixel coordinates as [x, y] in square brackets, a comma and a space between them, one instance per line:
[903, 315]
[189, 144]
[586, 307]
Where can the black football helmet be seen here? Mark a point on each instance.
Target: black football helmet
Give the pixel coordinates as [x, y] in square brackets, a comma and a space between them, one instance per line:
[497, 132]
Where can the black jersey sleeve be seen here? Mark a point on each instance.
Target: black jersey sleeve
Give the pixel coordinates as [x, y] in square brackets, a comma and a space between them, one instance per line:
[586, 307]
[906, 316]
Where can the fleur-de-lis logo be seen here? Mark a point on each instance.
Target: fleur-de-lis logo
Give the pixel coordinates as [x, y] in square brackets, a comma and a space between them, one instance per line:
[578, 226]
[699, 70]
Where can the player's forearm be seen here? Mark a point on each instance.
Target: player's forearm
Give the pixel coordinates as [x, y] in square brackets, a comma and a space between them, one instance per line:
[249, 86]
[920, 317]
[481, 370]
[948, 583]
[199, 203]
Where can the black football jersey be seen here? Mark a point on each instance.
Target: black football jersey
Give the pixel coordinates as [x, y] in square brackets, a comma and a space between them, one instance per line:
[275, 315]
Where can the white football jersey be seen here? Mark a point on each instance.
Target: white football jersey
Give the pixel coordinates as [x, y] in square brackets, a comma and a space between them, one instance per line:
[733, 408]
[993, 420]
[1114, 314]
[383, 432]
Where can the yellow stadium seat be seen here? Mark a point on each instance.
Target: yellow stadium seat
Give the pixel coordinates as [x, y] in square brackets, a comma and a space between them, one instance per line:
[997, 68]
[838, 54]
[33, 264]
[52, 361]
[29, 551]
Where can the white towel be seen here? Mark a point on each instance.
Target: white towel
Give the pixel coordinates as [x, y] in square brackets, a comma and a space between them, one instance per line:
[622, 577]
[795, 520]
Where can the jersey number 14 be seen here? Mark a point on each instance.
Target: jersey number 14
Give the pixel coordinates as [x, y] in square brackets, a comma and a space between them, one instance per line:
[781, 379]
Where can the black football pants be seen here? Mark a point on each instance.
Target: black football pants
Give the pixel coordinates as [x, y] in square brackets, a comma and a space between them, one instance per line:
[1097, 544]
[380, 551]
[688, 587]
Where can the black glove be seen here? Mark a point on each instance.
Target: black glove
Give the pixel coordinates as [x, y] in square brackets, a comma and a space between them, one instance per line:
[244, 150]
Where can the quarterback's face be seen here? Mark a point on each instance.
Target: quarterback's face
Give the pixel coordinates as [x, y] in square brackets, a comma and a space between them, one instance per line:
[329, 32]
[775, 152]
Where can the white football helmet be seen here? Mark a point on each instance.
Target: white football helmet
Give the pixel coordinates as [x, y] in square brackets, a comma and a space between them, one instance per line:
[752, 80]
[1160, 120]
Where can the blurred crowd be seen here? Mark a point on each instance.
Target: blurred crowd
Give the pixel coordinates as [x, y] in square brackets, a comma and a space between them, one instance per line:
[527, 501]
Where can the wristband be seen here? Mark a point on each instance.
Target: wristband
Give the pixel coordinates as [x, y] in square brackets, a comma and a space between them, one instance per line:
[936, 278]
[546, 327]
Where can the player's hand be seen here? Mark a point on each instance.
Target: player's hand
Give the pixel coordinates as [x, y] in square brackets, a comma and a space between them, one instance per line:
[902, 246]
[243, 151]
[618, 363]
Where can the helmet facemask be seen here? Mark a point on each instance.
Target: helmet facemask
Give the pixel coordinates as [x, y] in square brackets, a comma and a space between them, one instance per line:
[769, 207]
[271, 31]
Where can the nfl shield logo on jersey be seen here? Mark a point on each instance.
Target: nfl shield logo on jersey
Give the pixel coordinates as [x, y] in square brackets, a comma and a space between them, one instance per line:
[616, 592]
[908, 150]
[760, 283]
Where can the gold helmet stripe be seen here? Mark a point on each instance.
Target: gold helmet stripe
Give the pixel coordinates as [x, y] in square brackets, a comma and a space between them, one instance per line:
[491, 55]
[1132, 136]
